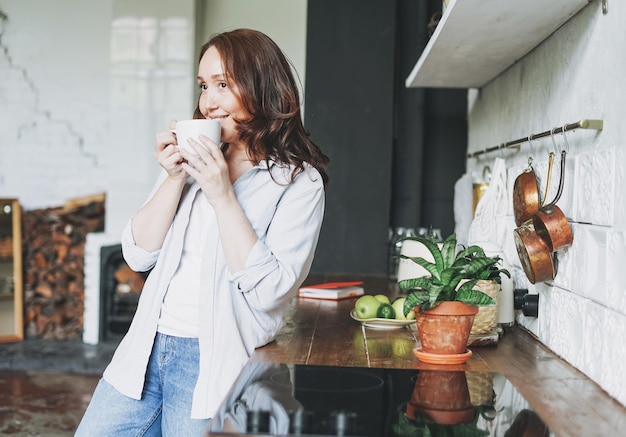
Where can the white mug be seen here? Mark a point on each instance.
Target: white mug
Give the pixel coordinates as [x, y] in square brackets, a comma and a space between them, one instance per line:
[186, 129]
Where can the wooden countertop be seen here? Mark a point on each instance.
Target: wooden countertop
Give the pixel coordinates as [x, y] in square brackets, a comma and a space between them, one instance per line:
[321, 332]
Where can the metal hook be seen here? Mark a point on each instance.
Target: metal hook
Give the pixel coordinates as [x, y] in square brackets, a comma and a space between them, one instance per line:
[486, 174]
[549, 178]
[566, 148]
[532, 152]
[556, 148]
[559, 190]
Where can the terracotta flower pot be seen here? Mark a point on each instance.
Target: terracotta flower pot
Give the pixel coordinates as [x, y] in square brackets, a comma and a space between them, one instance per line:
[445, 329]
[442, 396]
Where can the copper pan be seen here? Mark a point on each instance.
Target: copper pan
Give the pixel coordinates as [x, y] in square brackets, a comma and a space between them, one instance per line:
[534, 254]
[525, 194]
[550, 223]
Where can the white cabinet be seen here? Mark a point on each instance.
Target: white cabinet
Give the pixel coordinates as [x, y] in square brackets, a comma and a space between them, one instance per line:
[476, 40]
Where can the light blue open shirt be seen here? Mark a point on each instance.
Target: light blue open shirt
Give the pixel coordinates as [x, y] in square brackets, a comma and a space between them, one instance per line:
[238, 312]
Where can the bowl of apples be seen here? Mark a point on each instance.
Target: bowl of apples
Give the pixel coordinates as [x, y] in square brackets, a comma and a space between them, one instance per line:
[379, 312]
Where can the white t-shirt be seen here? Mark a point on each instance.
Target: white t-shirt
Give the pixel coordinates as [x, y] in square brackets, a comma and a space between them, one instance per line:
[180, 310]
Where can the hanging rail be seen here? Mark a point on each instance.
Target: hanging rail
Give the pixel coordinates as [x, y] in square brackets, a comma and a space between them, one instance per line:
[582, 124]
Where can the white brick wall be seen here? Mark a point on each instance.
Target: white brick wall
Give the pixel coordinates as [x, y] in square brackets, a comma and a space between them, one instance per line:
[81, 99]
[577, 73]
[79, 108]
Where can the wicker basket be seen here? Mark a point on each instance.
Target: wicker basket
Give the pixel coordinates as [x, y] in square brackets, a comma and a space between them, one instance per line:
[486, 318]
[480, 385]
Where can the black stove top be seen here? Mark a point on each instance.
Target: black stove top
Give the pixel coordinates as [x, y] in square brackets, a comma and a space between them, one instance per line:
[291, 399]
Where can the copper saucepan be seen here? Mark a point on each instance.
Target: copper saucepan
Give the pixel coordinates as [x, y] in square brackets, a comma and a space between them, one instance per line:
[534, 254]
[525, 194]
[550, 223]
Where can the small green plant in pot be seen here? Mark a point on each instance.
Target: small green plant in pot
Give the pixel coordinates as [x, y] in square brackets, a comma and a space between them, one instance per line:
[421, 425]
[449, 286]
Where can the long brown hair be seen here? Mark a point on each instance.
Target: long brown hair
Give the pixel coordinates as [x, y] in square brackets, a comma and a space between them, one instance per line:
[268, 92]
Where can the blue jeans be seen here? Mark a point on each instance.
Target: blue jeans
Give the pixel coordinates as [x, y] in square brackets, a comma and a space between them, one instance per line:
[165, 405]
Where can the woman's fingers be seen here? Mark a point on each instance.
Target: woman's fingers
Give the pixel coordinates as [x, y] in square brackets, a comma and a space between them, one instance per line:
[207, 166]
[167, 153]
[205, 148]
[164, 139]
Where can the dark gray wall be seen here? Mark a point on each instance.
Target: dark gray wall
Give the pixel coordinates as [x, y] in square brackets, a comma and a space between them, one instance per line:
[445, 139]
[408, 148]
[349, 111]
[395, 152]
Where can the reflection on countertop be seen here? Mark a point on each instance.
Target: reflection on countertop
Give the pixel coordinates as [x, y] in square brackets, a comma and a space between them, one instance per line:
[289, 399]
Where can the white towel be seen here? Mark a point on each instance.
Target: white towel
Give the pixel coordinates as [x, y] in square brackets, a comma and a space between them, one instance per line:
[463, 206]
[489, 223]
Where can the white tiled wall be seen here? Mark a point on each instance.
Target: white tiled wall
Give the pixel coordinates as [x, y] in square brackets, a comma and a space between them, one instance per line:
[577, 73]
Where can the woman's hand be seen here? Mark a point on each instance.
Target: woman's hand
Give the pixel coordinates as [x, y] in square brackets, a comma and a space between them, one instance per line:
[168, 155]
[209, 168]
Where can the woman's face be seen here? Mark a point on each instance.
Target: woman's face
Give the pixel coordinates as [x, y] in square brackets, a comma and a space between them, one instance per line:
[219, 98]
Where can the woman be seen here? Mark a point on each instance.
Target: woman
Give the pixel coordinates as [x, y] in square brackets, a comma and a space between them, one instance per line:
[229, 233]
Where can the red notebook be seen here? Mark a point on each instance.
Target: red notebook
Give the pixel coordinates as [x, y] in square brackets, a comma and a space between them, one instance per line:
[332, 290]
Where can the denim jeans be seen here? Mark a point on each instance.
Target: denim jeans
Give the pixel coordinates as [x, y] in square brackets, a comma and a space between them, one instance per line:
[165, 405]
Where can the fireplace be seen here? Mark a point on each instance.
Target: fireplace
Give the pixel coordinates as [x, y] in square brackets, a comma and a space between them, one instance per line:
[120, 288]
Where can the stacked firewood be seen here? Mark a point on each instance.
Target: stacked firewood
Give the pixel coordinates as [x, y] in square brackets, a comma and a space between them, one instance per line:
[54, 258]
[6, 248]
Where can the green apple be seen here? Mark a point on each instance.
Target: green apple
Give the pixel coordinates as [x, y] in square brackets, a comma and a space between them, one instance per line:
[366, 306]
[398, 306]
[382, 298]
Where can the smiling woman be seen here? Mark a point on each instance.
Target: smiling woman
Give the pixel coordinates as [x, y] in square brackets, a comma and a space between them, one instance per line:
[229, 232]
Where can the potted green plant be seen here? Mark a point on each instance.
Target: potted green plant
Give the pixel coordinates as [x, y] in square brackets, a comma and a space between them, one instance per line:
[441, 405]
[421, 425]
[446, 298]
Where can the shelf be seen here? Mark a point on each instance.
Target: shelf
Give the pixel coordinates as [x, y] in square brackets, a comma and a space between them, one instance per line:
[476, 40]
